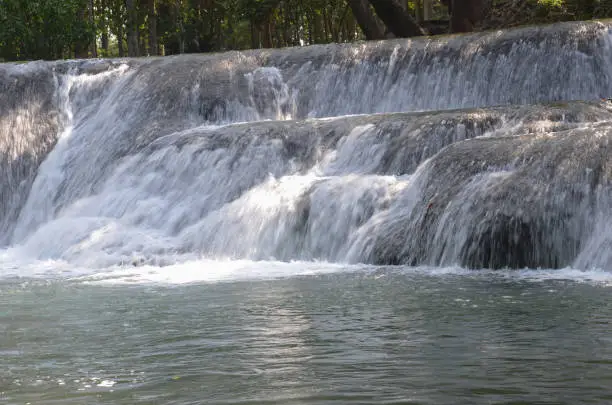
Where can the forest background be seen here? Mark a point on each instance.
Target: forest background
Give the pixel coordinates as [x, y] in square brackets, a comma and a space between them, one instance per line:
[60, 29]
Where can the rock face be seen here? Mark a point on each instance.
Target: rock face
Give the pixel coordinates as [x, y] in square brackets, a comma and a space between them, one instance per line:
[30, 121]
[523, 201]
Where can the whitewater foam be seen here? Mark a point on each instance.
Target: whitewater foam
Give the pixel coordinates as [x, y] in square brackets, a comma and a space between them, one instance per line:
[206, 271]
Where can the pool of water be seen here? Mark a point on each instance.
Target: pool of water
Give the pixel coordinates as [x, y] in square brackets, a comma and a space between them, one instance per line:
[360, 336]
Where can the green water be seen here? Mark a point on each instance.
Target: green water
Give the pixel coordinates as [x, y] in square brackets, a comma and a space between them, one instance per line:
[381, 337]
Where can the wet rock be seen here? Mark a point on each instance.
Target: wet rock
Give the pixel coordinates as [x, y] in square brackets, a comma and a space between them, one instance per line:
[526, 201]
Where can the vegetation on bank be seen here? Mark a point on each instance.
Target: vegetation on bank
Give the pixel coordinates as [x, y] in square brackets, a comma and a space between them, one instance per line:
[57, 29]
[511, 13]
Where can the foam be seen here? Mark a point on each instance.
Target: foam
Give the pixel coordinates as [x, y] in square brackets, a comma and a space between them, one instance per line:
[214, 271]
[207, 271]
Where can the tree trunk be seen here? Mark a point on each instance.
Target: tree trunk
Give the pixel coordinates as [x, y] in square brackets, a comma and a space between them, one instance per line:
[267, 32]
[132, 28]
[427, 10]
[180, 26]
[142, 43]
[397, 19]
[419, 11]
[255, 37]
[371, 26]
[104, 25]
[152, 25]
[92, 22]
[80, 45]
[104, 42]
[120, 38]
[318, 36]
[465, 13]
[285, 28]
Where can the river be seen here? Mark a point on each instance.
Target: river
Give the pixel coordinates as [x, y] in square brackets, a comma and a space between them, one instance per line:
[352, 336]
[421, 221]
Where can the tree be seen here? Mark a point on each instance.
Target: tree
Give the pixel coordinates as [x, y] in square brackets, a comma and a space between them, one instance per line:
[465, 14]
[132, 28]
[92, 23]
[43, 29]
[397, 19]
[371, 26]
[152, 25]
[55, 29]
[116, 20]
[427, 10]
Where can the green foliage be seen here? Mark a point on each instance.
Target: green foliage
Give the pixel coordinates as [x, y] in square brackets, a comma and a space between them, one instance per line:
[552, 3]
[55, 29]
[41, 29]
[510, 13]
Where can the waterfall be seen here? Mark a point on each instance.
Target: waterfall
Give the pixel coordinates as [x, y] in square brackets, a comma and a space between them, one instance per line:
[487, 150]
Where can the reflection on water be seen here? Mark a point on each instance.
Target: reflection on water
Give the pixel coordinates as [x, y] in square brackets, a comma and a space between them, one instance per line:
[370, 337]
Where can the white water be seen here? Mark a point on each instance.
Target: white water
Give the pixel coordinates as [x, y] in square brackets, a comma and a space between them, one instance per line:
[153, 179]
[219, 271]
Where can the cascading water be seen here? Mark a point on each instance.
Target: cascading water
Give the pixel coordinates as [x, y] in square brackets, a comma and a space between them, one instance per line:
[418, 152]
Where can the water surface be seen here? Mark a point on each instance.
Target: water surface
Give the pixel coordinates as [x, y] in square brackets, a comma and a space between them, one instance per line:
[379, 335]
